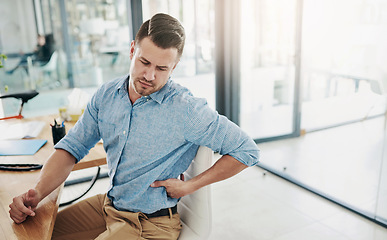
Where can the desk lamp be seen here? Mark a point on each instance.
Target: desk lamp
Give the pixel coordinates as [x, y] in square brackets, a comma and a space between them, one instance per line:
[25, 96]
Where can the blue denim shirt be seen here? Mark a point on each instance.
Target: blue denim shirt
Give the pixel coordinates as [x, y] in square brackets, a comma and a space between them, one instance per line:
[156, 138]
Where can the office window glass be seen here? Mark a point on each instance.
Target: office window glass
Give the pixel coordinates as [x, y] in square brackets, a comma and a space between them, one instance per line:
[344, 74]
[268, 35]
[381, 206]
[343, 60]
[18, 37]
[99, 40]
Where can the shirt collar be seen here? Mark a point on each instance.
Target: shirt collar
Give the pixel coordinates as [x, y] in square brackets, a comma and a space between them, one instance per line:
[122, 85]
[159, 95]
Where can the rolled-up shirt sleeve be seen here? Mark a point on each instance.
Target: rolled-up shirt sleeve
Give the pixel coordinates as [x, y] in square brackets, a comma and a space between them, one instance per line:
[205, 127]
[85, 134]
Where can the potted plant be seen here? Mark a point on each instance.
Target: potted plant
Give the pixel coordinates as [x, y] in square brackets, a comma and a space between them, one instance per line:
[2, 58]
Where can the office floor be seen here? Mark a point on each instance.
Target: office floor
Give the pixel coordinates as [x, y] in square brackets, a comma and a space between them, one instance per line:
[254, 205]
[344, 162]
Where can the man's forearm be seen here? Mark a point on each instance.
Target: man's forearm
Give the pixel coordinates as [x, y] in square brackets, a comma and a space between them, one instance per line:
[54, 172]
[224, 168]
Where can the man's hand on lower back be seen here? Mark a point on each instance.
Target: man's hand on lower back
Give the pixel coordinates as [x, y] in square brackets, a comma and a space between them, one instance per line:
[175, 188]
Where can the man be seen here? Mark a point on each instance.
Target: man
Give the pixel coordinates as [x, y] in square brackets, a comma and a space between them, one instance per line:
[151, 129]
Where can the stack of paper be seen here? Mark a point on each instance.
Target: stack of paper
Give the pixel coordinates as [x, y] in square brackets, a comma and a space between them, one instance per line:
[22, 130]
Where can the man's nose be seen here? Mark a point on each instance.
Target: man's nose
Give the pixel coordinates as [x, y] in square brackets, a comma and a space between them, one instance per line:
[149, 74]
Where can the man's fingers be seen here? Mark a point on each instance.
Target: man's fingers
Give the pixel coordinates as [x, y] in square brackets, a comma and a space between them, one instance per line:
[31, 194]
[31, 198]
[24, 209]
[18, 219]
[23, 206]
[21, 211]
[156, 184]
[19, 208]
[32, 211]
[167, 183]
[175, 188]
[16, 215]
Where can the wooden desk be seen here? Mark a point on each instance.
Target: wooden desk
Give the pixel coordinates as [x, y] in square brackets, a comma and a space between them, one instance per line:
[15, 183]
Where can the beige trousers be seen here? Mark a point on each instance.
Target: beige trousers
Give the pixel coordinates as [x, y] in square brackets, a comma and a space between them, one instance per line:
[96, 218]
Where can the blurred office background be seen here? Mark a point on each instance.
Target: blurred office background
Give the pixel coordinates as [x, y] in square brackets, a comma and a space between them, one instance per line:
[305, 78]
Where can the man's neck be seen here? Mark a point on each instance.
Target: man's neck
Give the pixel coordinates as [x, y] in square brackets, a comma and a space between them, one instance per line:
[133, 96]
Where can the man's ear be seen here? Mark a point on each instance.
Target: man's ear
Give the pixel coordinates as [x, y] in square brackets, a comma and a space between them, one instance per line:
[132, 48]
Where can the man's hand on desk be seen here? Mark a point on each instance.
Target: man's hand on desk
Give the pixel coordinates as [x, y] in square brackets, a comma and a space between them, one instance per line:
[24, 206]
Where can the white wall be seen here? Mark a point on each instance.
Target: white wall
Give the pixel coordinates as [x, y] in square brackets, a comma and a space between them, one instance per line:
[17, 26]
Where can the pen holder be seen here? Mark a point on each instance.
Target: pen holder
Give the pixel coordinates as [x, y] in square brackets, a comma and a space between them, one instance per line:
[58, 132]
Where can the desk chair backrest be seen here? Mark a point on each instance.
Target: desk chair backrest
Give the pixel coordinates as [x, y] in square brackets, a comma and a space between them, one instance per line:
[44, 76]
[51, 65]
[195, 209]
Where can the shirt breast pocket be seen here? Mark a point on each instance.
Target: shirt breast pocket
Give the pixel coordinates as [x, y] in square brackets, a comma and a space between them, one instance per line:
[108, 133]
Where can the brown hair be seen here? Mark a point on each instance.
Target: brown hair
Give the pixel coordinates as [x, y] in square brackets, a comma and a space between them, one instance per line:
[164, 30]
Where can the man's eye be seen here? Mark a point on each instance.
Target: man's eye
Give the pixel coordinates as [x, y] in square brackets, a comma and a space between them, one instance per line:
[145, 63]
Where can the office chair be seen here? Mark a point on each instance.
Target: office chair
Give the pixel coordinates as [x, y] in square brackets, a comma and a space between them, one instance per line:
[195, 209]
[24, 97]
[42, 75]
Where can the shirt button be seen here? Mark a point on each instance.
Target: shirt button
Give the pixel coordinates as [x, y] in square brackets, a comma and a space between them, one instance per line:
[124, 132]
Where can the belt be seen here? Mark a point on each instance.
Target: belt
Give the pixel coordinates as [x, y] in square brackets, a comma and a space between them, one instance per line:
[162, 212]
